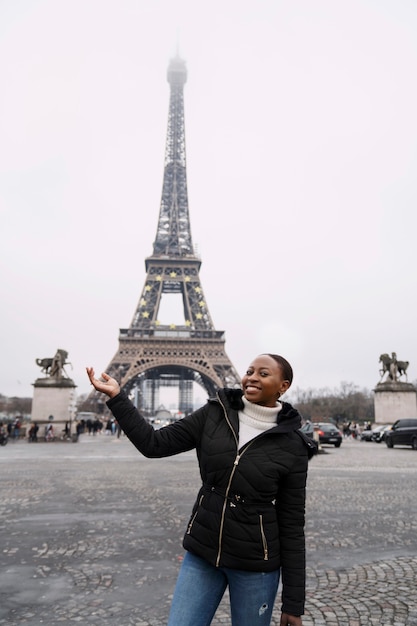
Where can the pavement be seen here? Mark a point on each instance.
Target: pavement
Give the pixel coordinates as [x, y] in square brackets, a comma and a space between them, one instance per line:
[90, 533]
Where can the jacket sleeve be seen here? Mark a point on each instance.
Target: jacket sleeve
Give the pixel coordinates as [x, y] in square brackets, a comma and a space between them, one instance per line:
[178, 437]
[291, 519]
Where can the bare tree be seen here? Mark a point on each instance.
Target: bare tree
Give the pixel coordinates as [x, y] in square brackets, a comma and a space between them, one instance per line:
[346, 404]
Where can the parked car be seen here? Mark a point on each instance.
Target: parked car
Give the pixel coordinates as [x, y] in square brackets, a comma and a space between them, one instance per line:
[403, 433]
[329, 433]
[380, 435]
[367, 434]
[308, 429]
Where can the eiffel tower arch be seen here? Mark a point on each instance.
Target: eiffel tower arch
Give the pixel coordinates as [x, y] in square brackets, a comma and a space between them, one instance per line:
[152, 354]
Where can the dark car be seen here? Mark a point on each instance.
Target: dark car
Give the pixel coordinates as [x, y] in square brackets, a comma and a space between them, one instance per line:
[380, 435]
[329, 433]
[374, 433]
[308, 429]
[402, 433]
[367, 434]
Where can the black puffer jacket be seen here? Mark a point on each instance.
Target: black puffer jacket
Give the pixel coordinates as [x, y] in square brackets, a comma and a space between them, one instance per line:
[249, 513]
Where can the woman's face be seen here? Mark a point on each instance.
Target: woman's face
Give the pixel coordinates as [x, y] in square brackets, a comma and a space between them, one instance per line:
[264, 381]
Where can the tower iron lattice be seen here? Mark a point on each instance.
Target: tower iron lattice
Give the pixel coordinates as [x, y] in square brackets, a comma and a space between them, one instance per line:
[152, 354]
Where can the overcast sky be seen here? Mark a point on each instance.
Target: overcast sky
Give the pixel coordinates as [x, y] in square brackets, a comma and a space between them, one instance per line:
[301, 135]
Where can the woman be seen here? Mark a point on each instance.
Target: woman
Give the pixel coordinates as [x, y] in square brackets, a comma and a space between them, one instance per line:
[247, 524]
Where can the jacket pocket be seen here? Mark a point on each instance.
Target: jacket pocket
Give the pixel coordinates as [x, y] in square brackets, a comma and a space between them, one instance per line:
[191, 522]
[263, 537]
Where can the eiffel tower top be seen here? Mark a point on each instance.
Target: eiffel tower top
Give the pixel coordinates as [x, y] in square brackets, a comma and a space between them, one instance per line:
[173, 268]
[173, 235]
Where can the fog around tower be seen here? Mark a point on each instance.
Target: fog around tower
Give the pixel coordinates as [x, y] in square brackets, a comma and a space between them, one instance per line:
[301, 142]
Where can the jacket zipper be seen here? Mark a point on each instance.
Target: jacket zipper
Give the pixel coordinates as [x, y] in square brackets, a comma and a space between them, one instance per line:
[264, 542]
[235, 464]
[190, 525]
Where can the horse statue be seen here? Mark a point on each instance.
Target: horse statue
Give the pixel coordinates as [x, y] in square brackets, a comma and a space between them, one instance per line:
[54, 366]
[44, 364]
[402, 368]
[394, 368]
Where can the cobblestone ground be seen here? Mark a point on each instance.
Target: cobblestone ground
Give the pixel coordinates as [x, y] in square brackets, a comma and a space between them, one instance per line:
[91, 534]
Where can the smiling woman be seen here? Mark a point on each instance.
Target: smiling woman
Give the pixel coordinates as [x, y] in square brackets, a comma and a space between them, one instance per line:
[268, 377]
[246, 527]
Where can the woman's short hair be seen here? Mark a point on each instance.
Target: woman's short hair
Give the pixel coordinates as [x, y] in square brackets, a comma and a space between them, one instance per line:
[285, 366]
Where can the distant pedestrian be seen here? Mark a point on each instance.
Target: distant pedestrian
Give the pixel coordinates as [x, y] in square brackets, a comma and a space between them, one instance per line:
[16, 429]
[33, 432]
[354, 430]
[49, 433]
[3, 434]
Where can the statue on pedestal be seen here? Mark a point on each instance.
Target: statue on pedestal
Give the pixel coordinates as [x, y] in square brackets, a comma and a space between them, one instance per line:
[394, 398]
[54, 393]
[392, 367]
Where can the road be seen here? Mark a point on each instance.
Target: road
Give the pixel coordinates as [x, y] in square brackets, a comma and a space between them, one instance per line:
[91, 534]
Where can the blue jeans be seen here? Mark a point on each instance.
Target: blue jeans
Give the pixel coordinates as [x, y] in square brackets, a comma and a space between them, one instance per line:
[201, 586]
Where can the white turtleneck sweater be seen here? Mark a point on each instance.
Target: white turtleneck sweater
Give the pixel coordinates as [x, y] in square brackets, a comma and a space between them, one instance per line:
[254, 419]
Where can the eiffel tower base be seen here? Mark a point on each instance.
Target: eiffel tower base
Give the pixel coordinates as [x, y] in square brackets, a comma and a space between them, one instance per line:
[142, 366]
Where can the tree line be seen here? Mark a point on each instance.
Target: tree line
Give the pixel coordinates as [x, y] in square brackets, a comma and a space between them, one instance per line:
[348, 403]
[15, 406]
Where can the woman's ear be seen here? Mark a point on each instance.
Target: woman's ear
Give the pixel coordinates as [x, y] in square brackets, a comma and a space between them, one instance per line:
[285, 385]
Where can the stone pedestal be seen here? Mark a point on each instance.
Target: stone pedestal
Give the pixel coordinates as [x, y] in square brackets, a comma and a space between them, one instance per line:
[53, 403]
[393, 401]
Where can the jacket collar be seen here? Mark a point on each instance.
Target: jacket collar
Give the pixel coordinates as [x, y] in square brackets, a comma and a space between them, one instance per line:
[289, 418]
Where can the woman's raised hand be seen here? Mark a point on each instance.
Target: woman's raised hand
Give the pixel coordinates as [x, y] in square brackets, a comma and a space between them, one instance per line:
[105, 384]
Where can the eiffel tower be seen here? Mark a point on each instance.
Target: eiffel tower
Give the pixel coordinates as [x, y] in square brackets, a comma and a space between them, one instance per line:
[150, 354]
